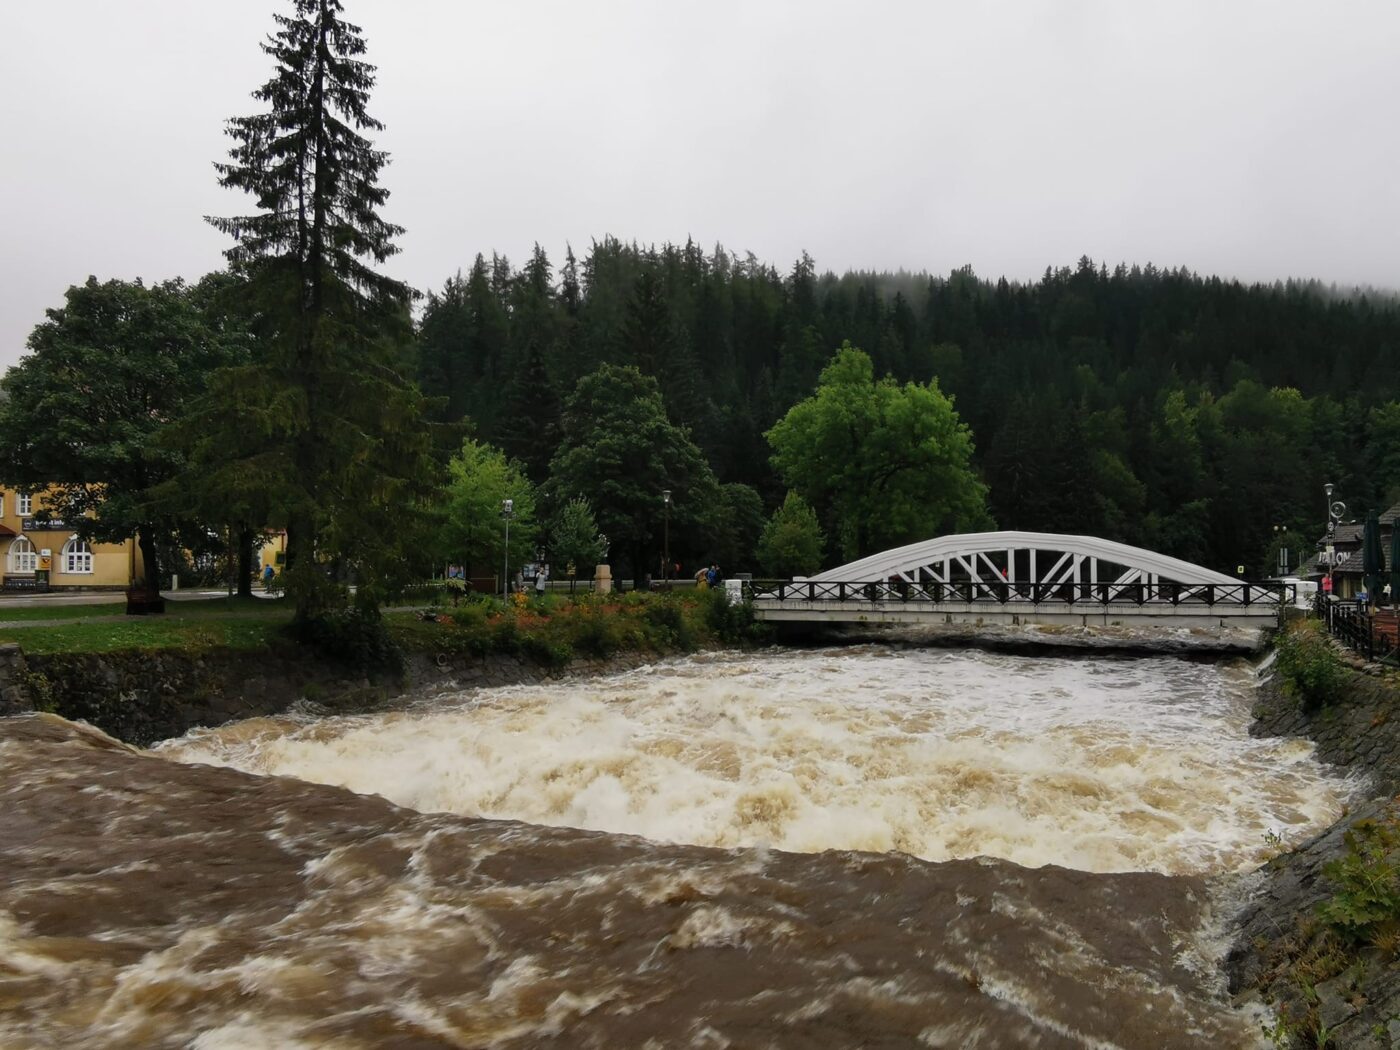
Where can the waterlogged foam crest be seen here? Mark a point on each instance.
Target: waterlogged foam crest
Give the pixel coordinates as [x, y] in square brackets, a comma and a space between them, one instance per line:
[1102, 765]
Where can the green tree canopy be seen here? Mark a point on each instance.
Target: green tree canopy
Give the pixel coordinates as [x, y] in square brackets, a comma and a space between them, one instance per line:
[104, 375]
[735, 521]
[792, 541]
[574, 540]
[472, 530]
[883, 464]
[619, 451]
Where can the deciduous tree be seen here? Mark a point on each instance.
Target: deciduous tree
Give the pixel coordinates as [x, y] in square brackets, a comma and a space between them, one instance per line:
[792, 541]
[472, 530]
[735, 523]
[884, 464]
[619, 451]
[104, 375]
[574, 540]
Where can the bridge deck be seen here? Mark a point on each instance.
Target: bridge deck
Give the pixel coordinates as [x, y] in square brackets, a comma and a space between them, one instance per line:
[1174, 604]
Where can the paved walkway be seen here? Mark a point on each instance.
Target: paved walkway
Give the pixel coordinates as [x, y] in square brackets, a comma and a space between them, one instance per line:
[39, 601]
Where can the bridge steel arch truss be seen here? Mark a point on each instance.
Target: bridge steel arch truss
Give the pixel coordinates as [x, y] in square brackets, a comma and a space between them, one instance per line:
[1022, 577]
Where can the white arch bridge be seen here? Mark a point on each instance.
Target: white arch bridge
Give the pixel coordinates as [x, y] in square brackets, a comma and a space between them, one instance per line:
[1022, 577]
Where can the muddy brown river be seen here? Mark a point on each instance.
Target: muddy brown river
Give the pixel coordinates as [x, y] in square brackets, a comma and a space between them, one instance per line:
[835, 848]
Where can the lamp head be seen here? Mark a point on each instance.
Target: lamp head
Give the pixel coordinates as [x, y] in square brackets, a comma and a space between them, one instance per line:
[1327, 488]
[507, 506]
[666, 496]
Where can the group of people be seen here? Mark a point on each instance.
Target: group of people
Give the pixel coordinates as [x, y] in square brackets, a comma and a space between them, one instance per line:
[708, 576]
[540, 580]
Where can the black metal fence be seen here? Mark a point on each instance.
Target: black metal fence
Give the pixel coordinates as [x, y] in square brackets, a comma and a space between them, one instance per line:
[1002, 592]
[1352, 624]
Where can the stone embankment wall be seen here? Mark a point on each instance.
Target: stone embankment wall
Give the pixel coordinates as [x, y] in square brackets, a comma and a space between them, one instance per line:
[1282, 949]
[14, 681]
[142, 697]
[1360, 732]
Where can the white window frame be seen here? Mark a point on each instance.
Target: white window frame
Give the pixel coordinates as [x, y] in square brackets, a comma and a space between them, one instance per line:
[76, 557]
[24, 504]
[22, 556]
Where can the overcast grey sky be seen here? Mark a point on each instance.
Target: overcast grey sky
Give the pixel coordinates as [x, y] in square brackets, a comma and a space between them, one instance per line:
[1250, 139]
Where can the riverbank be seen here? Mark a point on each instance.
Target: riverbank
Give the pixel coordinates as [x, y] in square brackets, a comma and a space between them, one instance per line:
[1320, 940]
[181, 675]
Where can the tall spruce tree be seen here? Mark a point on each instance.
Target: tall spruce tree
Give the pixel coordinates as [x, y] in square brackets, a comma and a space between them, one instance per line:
[336, 431]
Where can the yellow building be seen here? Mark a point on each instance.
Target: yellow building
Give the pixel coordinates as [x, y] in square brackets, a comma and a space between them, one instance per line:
[273, 552]
[37, 550]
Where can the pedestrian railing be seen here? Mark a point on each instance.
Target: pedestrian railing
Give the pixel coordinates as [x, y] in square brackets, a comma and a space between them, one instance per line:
[1002, 592]
[1352, 624]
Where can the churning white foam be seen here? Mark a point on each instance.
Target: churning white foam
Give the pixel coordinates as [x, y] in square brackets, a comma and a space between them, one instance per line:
[1097, 764]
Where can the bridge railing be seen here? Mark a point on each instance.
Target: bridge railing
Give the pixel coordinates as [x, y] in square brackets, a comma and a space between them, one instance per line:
[1002, 592]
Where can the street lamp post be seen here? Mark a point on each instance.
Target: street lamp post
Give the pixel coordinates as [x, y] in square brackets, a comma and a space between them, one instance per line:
[1335, 511]
[507, 509]
[666, 542]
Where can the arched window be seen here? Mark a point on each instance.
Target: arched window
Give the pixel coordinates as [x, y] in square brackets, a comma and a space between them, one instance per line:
[22, 557]
[77, 556]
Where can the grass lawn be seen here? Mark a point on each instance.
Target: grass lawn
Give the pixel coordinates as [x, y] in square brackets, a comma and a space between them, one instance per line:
[234, 623]
[61, 612]
[550, 632]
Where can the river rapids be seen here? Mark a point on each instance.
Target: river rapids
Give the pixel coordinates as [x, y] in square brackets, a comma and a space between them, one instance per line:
[850, 847]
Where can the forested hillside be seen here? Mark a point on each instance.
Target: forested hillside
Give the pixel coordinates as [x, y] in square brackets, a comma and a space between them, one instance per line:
[1191, 415]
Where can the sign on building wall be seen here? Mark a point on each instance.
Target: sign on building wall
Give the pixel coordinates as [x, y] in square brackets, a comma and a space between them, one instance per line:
[42, 525]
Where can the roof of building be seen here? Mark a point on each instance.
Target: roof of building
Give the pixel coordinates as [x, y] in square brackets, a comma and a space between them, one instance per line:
[1350, 533]
[1347, 533]
[1354, 562]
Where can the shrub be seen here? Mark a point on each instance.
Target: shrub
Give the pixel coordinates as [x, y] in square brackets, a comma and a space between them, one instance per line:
[545, 651]
[732, 622]
[1366, 907]
[594, 632]
[668, 618]
[1309, 665]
